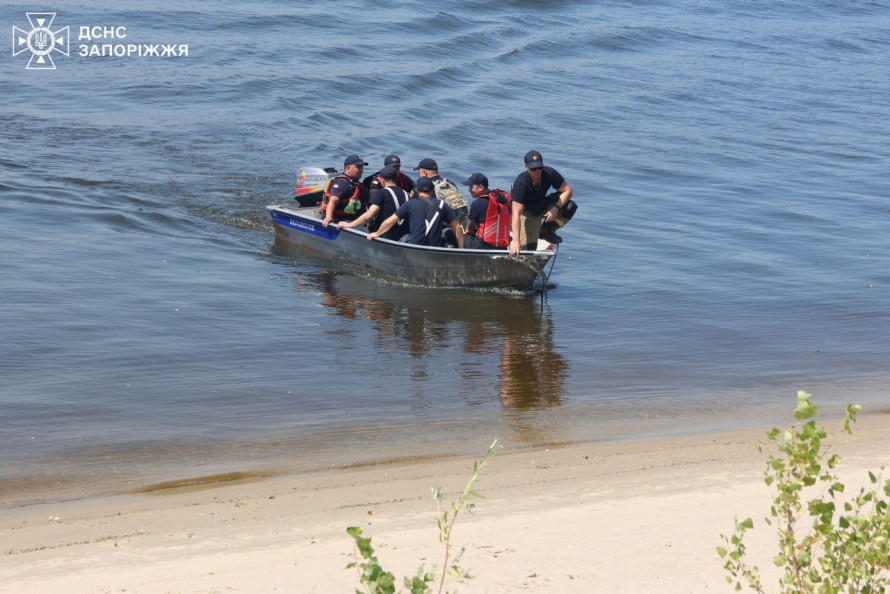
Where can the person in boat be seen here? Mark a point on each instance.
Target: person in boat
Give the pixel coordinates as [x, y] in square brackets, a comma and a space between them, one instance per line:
[445, 190]
[345, 197]
[427, 217]
[384, 203]
[535, 213]
[403, 181]
[488, 227]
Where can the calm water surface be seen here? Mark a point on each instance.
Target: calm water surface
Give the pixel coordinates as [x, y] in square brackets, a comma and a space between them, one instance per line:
[730, 160]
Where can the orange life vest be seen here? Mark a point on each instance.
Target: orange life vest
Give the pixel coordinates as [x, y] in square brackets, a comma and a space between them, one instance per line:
[495, 230]
[359, 193]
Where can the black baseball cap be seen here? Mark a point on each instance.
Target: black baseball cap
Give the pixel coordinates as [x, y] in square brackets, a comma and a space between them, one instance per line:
[392, 160]
[389, 173]
[476, 178]
[424, 184]
[427, 164]
[354, 160]
[534, 160]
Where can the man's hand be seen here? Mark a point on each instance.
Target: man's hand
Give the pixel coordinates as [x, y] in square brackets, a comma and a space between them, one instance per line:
[551, 214]
[514, 247]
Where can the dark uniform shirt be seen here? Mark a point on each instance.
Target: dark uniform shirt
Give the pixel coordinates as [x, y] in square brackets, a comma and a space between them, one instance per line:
[421, 216]
[383, 198]
[478, 209]
[532, 197]
[343, 187]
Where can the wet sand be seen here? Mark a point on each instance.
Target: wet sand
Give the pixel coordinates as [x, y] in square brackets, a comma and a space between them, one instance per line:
[630, 517]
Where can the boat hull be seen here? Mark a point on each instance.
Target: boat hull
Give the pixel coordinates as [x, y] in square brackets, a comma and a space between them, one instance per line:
[415, 264]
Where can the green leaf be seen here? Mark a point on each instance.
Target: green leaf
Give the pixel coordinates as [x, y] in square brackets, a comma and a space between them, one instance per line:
[720, 551]
[804, 409]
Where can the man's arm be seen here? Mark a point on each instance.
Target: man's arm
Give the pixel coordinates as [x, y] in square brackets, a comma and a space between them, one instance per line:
[477, 211]
[384, 227]
[565, 194]
[362, 220]
[458, 232]
[514, 225]
[329, 210]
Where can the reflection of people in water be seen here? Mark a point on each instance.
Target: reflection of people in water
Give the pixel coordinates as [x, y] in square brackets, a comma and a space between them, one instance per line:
[348, 306]
[406, 319]
[516, 331]
[532, 373]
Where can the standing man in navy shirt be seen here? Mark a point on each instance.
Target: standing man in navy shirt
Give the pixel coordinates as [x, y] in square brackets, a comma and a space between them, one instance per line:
[532, 204]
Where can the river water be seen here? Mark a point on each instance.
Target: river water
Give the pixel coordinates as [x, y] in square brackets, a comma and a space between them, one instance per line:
[729, 159]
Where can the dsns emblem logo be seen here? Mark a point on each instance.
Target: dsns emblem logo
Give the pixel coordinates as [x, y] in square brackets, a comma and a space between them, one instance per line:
[41, 40]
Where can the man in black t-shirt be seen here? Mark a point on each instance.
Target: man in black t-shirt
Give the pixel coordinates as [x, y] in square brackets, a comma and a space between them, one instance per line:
[384, 203]
[532, 204]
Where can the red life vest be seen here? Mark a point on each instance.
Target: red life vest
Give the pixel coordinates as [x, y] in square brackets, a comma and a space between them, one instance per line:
[404, 182]
[339, 211]
[496, 228]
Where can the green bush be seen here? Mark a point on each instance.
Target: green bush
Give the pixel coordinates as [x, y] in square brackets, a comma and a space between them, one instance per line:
[844, 546]
[377, 581]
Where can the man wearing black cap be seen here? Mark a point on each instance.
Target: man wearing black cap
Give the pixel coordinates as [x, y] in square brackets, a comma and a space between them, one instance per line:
[427, 217]
[489, 225]
[532, 205]
[345, 197]
[384, 203]
[445, 190]
[403, 181]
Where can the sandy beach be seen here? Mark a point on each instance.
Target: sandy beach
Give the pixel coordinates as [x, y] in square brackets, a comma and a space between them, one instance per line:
[627, 517]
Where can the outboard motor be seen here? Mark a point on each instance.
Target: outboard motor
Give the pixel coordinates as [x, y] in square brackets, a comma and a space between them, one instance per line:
[311, 183]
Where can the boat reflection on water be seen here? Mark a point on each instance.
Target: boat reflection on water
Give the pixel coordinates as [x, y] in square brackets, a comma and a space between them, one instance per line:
[495, 340]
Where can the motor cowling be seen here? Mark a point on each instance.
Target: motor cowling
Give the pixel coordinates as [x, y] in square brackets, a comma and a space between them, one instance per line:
[311, 183]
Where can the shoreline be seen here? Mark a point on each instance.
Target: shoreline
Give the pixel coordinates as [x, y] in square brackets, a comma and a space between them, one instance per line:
[611, 517]
[105, 470]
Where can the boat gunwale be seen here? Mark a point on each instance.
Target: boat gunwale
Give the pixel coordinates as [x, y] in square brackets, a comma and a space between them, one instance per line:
[404, 245]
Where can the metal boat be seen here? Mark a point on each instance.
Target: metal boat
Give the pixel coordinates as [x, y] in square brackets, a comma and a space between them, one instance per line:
[413, 264]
